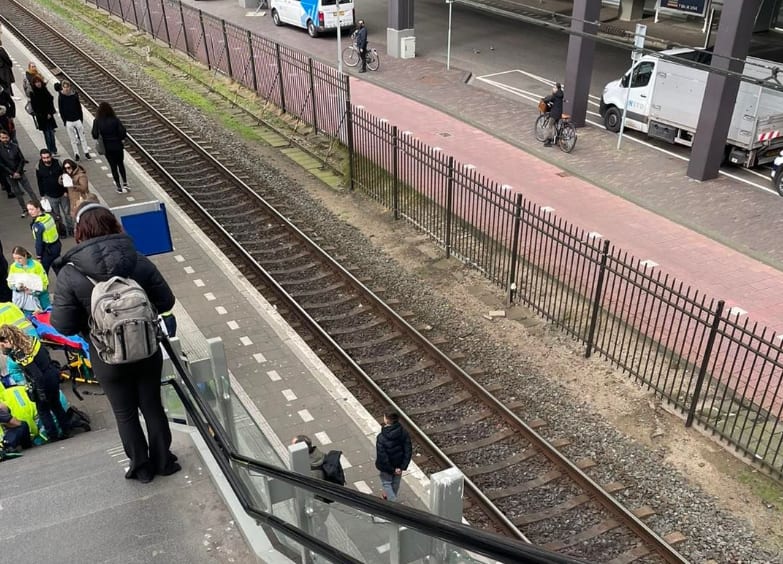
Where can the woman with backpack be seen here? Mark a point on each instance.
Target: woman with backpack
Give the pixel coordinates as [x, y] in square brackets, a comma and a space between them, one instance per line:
[43, 379]
[104, 251]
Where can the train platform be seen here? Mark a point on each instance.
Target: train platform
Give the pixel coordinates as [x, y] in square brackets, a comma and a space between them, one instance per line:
[719, 237]
[283, 387]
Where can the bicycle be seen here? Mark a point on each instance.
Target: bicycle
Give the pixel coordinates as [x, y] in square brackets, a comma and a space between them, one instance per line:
[352, 57]
[565, 132]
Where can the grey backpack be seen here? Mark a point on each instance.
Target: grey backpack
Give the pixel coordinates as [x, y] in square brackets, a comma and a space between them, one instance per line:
[123, 323]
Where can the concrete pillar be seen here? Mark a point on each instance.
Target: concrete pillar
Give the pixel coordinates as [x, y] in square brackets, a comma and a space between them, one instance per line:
[631, 10]
[400, 39]
[579, 64]
[733, 40]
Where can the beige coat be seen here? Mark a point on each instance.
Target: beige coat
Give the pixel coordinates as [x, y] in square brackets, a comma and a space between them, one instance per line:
[79, 190]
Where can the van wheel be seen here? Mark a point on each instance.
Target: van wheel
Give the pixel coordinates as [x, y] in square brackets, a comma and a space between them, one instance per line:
[613, 119]
[276, 18]
[311, 29]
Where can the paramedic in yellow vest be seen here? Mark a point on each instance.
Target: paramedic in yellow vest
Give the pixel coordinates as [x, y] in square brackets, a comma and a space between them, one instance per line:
[12, 315]
[47, 240]
[17, 419]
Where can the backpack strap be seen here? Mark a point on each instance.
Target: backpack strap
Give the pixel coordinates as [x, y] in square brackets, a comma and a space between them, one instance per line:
[90, 278]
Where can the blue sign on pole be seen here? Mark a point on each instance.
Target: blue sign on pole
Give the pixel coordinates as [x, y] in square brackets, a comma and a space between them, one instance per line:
[693, 7]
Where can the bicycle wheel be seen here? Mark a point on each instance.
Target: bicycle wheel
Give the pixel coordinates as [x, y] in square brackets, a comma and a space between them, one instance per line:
[542, 127]
[373, 60]
[350, 56]
[567, 137]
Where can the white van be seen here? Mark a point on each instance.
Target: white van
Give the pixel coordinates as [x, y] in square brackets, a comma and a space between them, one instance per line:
[313, 15]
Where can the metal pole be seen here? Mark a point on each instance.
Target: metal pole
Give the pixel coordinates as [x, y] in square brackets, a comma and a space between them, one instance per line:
[705, 361]
[165, 23]
[312, 94]
[511, 286]
[448, 40]
[225, 46]
[339, 41]
[599, 292]
[349, 135]
[395, 182]
[252, 60]
[625, 108]
[636, 54]
[449, 205]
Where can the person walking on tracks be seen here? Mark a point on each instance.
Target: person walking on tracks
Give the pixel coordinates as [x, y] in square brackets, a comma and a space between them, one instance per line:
[555, 103]
[104, 252]
[107, 130]
[361, 44]
[393, 454]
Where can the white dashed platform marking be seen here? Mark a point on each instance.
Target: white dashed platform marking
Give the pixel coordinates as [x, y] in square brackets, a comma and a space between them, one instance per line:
[323, 438]
[221, 310]
[245, 341]
[189, 270]
[210, 296]
[259, 358]
[274, 376]
[362, 486]
[305, 415]
[384, 548]
[199, 283]
[345, 462]
[289, 395]
[179, 258]
[233, 325]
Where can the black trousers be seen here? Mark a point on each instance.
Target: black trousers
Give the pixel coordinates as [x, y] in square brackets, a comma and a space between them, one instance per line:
[117, 165]
[50, 408]
[134, 387]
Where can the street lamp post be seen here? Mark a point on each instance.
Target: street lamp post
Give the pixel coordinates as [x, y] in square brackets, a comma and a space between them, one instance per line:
[636, 54]
[448, 40]
[339, 41]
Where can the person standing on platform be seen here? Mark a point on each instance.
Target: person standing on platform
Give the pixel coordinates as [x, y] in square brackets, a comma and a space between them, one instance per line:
[71, 113]
[42, 103]
[42, 376]
[102, 251]
[108, 129]
[29, 76]
[361, 44]
[5, 291]
[6, 70]
[393, 454]
[77, 185]
[7, 114]
[47, 240]
[29, 300]
[49, 175]
[12, 163]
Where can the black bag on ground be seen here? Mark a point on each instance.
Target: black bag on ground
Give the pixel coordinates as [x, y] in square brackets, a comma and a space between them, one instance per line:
[78, 419]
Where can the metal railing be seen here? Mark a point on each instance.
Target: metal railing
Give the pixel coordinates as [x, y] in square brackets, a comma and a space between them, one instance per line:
[717, 370]
[264, 486]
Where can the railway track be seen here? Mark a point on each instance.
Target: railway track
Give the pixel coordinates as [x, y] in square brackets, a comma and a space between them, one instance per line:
[517, 482]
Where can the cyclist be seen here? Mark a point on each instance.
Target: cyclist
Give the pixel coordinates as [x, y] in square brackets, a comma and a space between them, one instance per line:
[555, 103]
[361, 44]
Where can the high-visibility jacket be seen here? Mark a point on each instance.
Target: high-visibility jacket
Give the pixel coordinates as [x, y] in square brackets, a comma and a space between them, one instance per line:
[12, 315]
[24, 360]
[32, 266]
[21, 406]
[50, 234]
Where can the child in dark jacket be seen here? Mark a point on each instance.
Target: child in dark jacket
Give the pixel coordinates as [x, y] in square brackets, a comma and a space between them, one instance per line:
[393, 454]
[42, 376]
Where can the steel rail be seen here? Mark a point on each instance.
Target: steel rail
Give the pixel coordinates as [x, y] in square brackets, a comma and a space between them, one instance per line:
[609, 502]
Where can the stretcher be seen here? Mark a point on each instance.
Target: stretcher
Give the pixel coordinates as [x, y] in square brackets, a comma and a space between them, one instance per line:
[76, 349]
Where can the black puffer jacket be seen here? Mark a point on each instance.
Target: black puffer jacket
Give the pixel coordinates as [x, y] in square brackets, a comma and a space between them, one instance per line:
[101, 258]
[393, 449]
[112, 131]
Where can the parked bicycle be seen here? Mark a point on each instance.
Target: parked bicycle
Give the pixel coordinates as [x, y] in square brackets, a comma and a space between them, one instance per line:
[565, 132]
[352, 57]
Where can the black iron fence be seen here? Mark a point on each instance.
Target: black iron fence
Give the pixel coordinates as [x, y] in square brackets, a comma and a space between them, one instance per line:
[308, 89]
[717, 370]
[683, 345]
